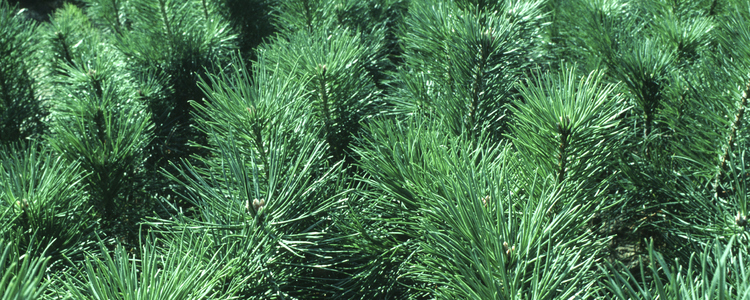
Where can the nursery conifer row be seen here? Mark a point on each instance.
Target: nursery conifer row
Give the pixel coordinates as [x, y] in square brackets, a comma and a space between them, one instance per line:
[376, 149]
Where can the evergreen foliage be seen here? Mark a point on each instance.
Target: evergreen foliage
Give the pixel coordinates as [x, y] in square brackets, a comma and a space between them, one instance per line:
[22, 114]
[436, 207]
[461, 63]
[179, 39]
[99, 120]
[379, 149]
[22, 274]
[263, 194]
[43, 202]
[341, 92]
[718, 273]
[166, 274]
[566, 127]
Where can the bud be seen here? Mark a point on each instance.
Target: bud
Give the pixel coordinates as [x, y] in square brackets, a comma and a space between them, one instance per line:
[508, 249]
[740, 219]
[258, 204]
[323, 68]
[489, 34]
[22, 204]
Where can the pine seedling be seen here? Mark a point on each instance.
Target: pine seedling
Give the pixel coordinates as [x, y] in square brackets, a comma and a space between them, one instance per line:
[704, 108]
[99, 120]
[22, 114]
[332, 66]
[265, 192]
[156, 39]
[567, 127]
[704, 197]
[21, 275]
[43, 194]
[732, 34]
[175, 42]
[514, 246]
[109, 15]
[640, 57]
[438, 210]
[374, 21]
[305, 16]
[717, 272]
[637, 57]
[399, 161]
[183, 270]
[603, 26]
[686, 31]
[461, 64]
[67, 37]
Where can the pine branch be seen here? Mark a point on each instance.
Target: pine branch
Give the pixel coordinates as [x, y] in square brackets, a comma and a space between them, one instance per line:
[165, 20]
[735, 127]
[21, 112]
[563, 129]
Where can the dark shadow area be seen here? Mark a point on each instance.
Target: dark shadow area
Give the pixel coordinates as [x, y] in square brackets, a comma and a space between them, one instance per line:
[39, 10]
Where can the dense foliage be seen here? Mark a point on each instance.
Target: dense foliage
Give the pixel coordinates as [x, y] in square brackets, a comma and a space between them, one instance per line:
[377, 149]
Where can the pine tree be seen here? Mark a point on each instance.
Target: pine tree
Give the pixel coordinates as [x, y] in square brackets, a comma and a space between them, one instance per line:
[342, 92]
[22, 114]
[466, 149]
[460, 63]
[98, 116]
[43, 204]
[21, 274]
[264, 194]
[168, 46]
